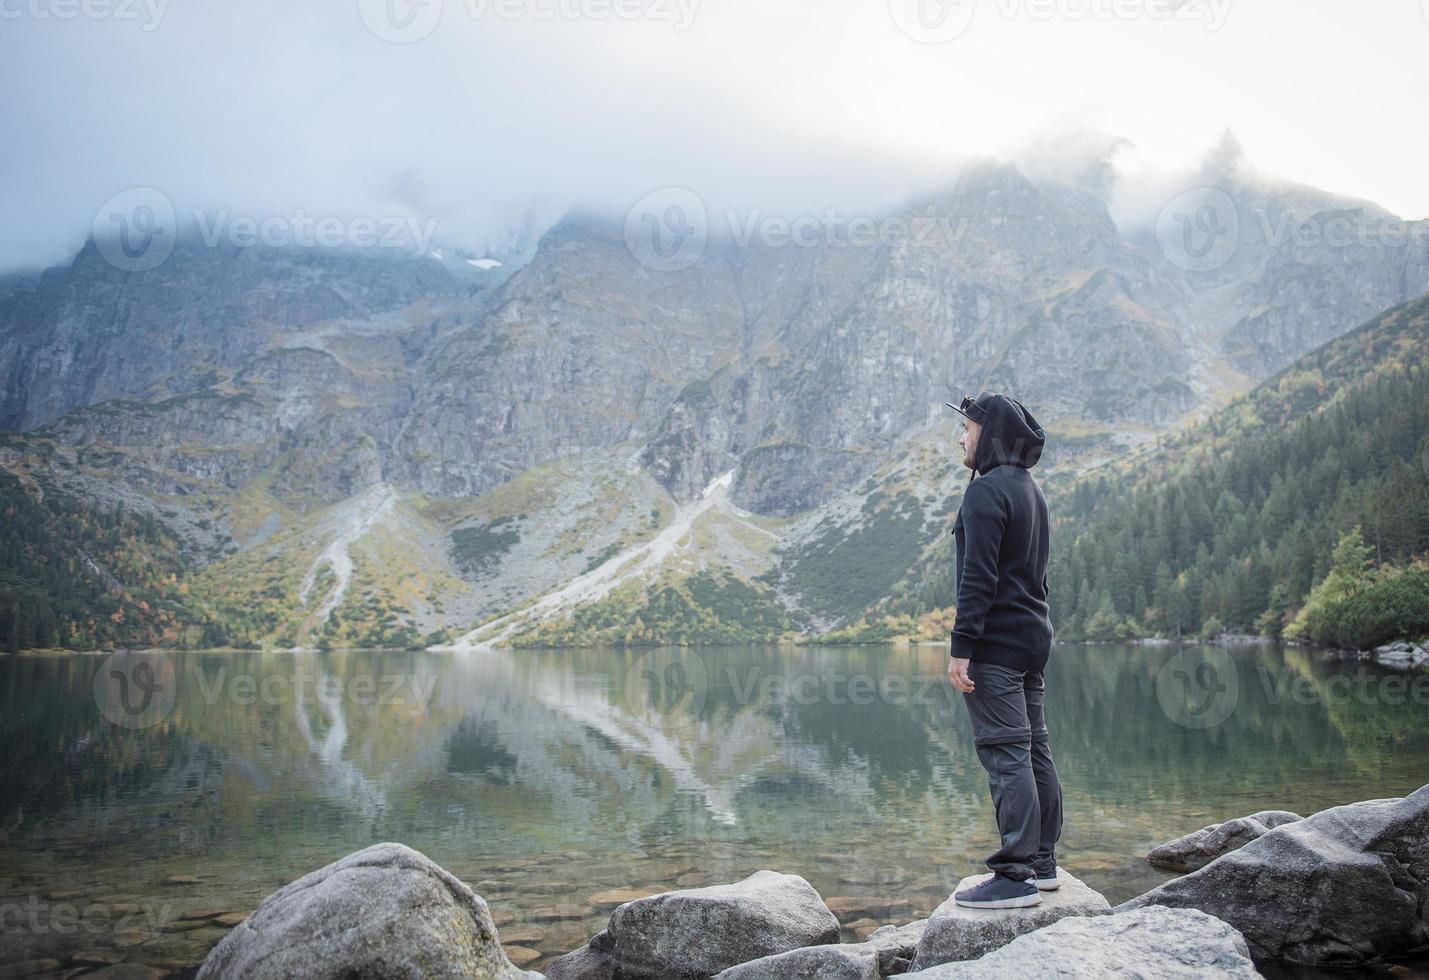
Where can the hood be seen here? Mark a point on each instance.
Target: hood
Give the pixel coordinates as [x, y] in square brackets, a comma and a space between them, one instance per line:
[1010, 435]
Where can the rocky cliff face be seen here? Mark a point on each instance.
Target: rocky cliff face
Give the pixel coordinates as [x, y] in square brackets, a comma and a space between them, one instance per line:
[91, 332]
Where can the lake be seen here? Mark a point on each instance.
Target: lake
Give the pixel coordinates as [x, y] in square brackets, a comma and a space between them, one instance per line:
[138, 789]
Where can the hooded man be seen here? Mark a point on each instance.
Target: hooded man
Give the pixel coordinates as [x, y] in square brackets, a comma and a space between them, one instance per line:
[1000, 643]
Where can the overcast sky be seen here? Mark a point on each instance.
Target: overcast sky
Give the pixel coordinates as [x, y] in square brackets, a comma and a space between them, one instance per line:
[469, 111]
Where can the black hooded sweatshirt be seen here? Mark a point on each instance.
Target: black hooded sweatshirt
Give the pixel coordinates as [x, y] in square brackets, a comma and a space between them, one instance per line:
[1002, 542]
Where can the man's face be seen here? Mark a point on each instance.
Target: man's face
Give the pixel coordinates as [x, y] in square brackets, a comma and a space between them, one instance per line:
[968, 440]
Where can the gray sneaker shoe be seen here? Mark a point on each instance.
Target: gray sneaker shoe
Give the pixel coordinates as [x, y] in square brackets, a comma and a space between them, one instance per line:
[999, 892]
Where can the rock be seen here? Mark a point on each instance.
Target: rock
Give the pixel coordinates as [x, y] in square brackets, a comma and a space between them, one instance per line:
[829, 961]
[25, 968]
[124, 938]
[128, 971]
[557, 913]
[701, 931]
[890, 947]
[523, 934]
[591, 961]
[1200, 847]
[504, 917]
[183, 925]
[1339, 888]
[1150, 942]
[521, 955]
[895, 946]
[383, 911]
[96, 957]
[230, 919]
[955, 933]
[203, 914]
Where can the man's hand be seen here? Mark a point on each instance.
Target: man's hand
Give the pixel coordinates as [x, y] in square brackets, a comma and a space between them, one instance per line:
[958, 674]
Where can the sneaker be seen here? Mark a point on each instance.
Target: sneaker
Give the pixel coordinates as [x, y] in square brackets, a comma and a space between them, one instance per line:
[999, 892]
[1047, 881]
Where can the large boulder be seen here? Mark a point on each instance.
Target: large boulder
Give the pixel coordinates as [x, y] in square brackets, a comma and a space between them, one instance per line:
[888, 950]
[831, 961]
[956, 933]
[697, 932]
[1151, 942]
[383, 911]
[1200, 847]
[1339, 888]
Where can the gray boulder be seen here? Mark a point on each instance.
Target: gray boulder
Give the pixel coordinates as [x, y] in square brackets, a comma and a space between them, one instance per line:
[1200, 847]
[955, 933]
[895, 946]
[1340, 888]
[831, 961]
[383, 911]
[888, 950]
[697, 932]
[1151, 942]
[592, 960]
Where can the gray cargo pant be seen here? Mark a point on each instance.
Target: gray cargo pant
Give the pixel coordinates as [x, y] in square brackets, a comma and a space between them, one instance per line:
[1010, 734]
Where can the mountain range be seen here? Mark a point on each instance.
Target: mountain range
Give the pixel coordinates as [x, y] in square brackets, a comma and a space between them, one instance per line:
[311, 446]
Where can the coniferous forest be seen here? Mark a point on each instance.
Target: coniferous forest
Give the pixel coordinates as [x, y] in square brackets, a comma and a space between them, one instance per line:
[1239, 525]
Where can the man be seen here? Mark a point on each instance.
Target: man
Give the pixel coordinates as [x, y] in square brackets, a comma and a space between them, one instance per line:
[1000, 644]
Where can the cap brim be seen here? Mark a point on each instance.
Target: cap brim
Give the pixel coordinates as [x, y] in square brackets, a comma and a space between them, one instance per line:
[960, 411]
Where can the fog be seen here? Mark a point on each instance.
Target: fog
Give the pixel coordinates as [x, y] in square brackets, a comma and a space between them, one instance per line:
[474, 113]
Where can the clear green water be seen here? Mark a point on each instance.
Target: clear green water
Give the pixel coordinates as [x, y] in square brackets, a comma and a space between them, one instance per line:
[545, 777]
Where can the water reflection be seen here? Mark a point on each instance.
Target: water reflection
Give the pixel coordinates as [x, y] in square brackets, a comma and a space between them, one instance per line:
[601, 768]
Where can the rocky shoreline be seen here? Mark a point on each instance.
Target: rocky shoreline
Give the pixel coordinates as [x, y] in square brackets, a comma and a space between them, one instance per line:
[1347, 887]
